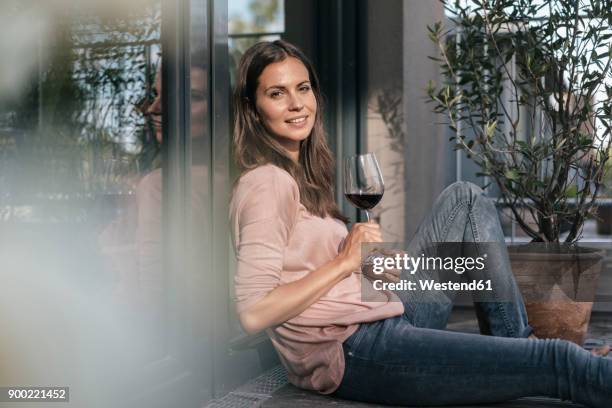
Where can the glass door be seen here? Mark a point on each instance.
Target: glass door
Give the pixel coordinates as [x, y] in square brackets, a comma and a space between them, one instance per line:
[110, 185]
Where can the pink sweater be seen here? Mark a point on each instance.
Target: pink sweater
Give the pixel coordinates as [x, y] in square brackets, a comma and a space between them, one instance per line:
[277, 241]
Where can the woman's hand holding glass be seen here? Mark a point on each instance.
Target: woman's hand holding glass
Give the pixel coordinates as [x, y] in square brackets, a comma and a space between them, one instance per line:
[350, 252]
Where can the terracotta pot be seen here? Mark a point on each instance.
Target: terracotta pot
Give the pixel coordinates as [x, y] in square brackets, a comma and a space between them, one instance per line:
[558, 284]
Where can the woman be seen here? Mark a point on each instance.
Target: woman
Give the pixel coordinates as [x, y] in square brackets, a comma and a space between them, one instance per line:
[298, 271]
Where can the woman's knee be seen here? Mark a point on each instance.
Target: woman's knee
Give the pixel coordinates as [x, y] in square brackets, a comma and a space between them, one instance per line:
[475, 201]
[463, 191]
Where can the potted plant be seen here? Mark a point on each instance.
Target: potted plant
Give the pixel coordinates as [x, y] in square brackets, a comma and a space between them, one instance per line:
[526, 90]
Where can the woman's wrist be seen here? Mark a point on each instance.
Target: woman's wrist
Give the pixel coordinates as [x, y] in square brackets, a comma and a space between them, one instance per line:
[343, 266]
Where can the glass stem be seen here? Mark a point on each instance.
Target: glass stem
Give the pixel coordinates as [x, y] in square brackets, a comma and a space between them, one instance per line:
[367, 215]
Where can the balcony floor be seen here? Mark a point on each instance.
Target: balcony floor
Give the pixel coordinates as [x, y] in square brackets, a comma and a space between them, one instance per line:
[271, 389]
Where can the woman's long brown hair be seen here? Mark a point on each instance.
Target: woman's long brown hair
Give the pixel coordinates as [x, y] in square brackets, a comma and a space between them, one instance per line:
[254, 146]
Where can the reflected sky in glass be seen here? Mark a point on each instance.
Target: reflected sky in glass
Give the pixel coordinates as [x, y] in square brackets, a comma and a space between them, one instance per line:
[256, 16]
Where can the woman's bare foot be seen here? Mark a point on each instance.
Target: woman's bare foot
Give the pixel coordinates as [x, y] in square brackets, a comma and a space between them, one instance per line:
[601, 350]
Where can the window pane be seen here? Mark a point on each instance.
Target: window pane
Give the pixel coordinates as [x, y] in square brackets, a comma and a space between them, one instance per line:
[256, 16]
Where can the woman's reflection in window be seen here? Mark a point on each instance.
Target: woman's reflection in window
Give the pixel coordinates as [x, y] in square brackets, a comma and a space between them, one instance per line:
[133, 243]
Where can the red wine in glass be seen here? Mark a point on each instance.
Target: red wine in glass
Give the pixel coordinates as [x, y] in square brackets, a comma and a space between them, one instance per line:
[364, 201]
[363, 181]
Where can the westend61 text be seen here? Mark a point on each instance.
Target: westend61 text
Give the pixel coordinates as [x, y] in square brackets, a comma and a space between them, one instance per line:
[430, 284]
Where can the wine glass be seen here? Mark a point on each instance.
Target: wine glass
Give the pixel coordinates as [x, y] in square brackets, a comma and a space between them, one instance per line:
[363, 181]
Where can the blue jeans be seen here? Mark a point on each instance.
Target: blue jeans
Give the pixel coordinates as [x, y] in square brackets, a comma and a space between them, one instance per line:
[411, 360]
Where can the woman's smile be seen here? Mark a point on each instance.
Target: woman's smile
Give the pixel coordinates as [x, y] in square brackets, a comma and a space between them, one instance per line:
[298, 122]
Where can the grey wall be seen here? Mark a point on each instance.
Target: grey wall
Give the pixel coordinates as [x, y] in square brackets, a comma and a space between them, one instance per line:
[383, 80]
[429, 163]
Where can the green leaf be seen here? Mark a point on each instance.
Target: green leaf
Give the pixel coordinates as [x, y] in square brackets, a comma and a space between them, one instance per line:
[490, 129]
[560, 144]
[512, 175]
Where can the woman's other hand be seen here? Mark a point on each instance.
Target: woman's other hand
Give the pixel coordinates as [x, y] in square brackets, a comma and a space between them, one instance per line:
[388, 275]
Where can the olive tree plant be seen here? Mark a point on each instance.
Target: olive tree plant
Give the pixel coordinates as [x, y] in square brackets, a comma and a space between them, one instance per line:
[526, 88]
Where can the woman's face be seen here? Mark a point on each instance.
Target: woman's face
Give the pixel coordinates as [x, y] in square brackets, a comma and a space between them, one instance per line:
[199, 104]
[286, 103]
[154, 111]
